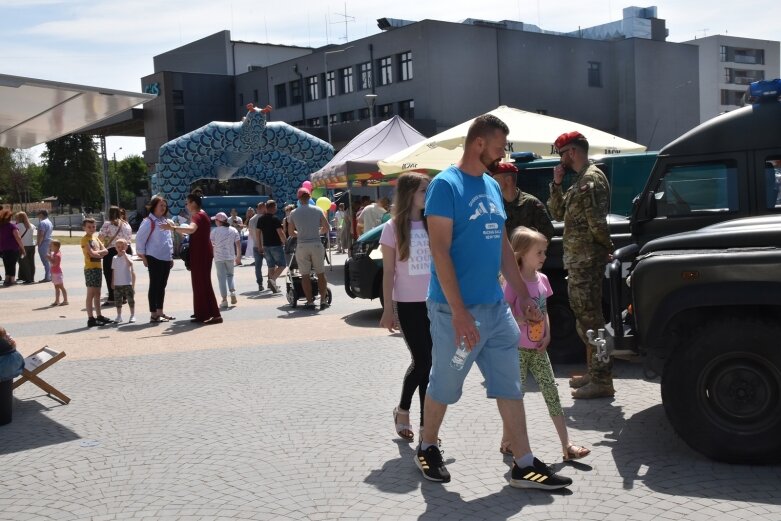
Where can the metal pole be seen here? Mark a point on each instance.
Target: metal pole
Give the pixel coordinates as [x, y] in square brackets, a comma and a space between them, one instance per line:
[116, 177]
[106, 189]
[327, 97]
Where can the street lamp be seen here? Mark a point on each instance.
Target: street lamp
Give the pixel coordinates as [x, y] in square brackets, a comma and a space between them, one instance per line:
[116, 176]
[327, 97]
[370, 100]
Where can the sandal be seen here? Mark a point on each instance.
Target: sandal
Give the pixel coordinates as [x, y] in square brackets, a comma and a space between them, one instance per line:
[402, 428]
[574, 452]
[505, 449]
[169, 318]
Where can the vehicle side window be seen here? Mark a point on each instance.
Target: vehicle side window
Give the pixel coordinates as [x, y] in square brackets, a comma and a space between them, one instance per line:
[773, 182]
[698, 188]
[536, 181]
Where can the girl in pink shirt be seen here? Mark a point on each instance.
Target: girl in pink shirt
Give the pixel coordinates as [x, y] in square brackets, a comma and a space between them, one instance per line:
[406, 260]
[529, 247]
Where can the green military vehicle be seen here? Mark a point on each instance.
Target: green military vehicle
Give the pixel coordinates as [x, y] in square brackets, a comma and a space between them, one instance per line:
[703, 306]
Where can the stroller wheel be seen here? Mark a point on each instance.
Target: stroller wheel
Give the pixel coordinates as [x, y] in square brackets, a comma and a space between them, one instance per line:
[291, 296]
[328, 296]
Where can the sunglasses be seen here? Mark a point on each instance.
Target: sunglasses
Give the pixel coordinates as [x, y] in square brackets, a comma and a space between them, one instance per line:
[562, 152]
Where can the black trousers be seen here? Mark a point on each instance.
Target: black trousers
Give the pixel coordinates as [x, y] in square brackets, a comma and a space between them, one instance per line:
[158, 280]
[415, 326]
[112, 252]
[10, 258]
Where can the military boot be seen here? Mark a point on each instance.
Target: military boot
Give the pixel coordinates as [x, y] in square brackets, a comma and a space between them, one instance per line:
[576, 382]
[594, 390]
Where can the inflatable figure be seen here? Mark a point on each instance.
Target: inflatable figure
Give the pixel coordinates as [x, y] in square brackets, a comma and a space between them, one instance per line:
[275, 154]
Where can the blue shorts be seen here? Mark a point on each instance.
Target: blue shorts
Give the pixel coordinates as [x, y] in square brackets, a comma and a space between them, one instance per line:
[496, 353]
[275, 256]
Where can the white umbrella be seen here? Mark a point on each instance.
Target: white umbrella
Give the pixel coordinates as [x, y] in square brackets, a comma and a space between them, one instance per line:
[529, 132]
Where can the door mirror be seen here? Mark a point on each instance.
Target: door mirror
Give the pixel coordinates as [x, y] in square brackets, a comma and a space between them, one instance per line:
[644, 207]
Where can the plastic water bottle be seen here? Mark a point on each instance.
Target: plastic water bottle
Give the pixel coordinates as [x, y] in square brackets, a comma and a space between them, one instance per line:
[459, 357]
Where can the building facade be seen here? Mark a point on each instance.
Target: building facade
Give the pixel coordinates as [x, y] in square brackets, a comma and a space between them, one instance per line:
[728, 64]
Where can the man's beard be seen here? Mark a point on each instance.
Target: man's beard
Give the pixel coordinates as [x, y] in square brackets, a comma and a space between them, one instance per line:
[490, 164]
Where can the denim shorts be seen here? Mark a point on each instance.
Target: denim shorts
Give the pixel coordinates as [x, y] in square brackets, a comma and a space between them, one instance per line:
[275, 256]
[496, 354]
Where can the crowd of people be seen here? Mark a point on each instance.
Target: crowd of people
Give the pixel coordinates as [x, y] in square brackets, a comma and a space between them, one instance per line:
[445, 242]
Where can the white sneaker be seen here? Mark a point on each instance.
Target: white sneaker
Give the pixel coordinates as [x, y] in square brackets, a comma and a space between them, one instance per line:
[234, 300]
[224, 303]
[132, 319]
[118, 320]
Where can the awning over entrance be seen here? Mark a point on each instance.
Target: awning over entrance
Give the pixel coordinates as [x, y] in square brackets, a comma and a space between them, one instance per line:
[35, 111]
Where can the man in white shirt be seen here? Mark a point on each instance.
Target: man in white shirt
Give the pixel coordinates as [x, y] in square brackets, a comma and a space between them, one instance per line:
[371, 216]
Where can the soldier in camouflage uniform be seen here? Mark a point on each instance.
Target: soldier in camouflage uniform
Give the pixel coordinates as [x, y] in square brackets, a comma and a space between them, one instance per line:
[522, 209]
[587, 248]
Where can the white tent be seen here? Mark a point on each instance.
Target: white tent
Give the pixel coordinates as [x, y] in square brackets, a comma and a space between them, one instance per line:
[529, 132]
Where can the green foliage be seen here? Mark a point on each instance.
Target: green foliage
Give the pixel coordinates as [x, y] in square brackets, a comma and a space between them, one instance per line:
[20, 178]
[72, 171]
[131, 177]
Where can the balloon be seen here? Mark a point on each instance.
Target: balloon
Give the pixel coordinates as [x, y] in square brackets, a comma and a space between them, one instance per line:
[317, 193]
[333, 207]
[307, 185]
[324, 204]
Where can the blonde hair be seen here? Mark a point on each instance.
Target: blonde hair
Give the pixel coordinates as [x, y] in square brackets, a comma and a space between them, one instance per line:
[121, 241]
[21, 217]
[55, 242]
[523, 239]
[406, 186]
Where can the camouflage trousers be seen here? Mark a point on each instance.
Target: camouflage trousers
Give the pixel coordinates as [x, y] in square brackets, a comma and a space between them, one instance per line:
[584, 286]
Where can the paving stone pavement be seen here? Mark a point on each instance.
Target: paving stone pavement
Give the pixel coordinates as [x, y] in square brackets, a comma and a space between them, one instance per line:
[258, 428]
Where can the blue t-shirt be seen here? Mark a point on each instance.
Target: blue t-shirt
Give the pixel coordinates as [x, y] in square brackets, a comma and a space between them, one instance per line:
[475, 206]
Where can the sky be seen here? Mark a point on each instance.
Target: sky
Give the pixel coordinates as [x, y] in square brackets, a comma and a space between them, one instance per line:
[111, 43]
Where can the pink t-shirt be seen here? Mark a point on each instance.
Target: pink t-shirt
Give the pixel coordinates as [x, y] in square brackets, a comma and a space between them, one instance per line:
[539, 290]
[412, 276]
[56, 261]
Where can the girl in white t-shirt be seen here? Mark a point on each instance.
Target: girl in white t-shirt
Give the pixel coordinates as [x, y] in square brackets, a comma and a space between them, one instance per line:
[406, 260]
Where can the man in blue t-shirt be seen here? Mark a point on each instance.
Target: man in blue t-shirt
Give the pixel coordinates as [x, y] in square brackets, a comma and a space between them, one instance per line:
[469, 247]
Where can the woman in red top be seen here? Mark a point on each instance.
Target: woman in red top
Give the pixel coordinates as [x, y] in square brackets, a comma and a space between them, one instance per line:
[201, 257]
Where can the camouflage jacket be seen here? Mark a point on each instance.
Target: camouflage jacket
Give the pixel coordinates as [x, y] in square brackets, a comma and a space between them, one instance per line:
[527, 210]
[584, 208]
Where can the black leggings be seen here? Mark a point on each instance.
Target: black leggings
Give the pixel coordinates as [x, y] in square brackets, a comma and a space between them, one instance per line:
[10, 258]
[415, 326]
[158, 280]
[107, 271]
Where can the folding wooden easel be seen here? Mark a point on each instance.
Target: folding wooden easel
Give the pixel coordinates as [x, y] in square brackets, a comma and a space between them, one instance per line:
[35, 364]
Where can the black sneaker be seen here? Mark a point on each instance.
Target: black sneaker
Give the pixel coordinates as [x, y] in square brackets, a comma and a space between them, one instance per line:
[537, 476]
[91, 322]
[102, 321]
[430, 463]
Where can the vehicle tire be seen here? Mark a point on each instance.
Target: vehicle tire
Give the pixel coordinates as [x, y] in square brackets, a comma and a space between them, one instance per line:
[566, 346]
[329, 296]
[347, 288]
[722, 391]
[291, 296]
[382, 298]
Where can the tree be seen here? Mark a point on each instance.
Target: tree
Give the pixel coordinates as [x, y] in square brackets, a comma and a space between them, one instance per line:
[20, 177]
[72, 171]
[133, 177]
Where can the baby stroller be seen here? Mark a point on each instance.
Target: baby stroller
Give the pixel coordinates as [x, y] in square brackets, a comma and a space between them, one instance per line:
[294, 289]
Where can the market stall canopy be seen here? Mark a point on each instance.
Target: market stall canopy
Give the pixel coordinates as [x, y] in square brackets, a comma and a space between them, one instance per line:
[35, 111]
[529, 132]
[357, 161]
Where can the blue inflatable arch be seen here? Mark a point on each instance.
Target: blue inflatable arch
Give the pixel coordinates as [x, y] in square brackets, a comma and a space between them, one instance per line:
[275, 154]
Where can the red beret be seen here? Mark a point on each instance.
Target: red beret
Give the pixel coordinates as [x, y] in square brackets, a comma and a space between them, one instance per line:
[505, 168]
[567, 138]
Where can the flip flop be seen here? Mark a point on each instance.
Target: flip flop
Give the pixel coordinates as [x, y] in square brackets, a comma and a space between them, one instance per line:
[504, 448]
[402, 427]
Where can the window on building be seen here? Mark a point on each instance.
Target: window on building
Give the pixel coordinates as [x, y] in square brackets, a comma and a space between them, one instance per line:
[594, 74]
[407, 109]
[177, 97]
[347, 116]
[295, 92]
[314, 122]
[179, 121]
[699, 188]
[385, 111]
[732, 97]
[298, 123]
[363, 113]
[405, 66]
[742, 76]
[280, 95]
[255, 96]
[312, 88]
[333, 118]
[330, 84]
[385, 67]
[241, 99]
[346, 76]
[750, 56]
[365, 80]
[722, 53]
